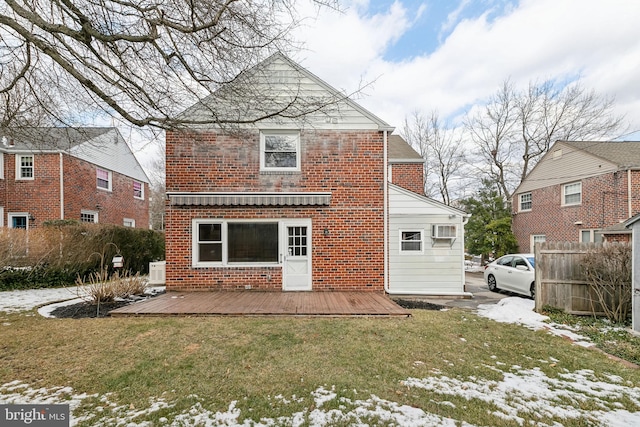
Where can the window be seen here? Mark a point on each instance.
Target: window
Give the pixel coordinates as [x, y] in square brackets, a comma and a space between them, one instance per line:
[1, 216]
[128, 222]
[443, 231]
[18, 220]
[138, 190]
[239, 242]
[537, 238]
[88, 216]
[1, 165]
[279, 151]
[411, 241]
[591, 236]
[103, 179]
[525, 202]
[24, 167]
[572, 193]
[209, 242]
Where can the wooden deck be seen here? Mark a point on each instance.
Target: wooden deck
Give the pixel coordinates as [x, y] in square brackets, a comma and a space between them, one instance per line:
[327, 304]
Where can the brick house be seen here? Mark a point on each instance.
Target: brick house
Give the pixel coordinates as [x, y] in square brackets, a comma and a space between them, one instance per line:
[293, 204]
[85, 174]
[580, 191]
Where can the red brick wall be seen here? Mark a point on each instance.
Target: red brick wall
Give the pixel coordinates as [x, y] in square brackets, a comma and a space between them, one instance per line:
[81, 193]
[604, 203]
[38, 197]
[41, 197]
[409, 176]
[347, 164]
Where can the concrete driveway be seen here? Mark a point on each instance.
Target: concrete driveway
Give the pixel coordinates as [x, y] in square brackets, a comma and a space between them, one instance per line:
[474, 283]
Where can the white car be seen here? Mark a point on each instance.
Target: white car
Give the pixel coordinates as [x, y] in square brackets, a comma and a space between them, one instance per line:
[514, 273]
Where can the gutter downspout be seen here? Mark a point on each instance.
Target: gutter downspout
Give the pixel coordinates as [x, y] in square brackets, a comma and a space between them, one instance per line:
[629, 193]
[385, 186]
[61, 187]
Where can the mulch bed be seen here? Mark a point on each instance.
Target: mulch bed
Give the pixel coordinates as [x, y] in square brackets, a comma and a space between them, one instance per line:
[423, 305]
[84, 310]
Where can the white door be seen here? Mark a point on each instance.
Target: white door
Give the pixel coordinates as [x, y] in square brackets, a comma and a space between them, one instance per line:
[296, 268]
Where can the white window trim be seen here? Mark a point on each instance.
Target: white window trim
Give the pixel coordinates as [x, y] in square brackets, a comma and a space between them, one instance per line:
[532, 240]
[564, 194]
[129, 220]
[224, 238]
[141, 190]
[1, 216]
[411, 252]
[89, 212]
[592, 234]
[19, 176]
[263, 133]
[110, 179]
[1, 165]
[520, 197]
[10, 216]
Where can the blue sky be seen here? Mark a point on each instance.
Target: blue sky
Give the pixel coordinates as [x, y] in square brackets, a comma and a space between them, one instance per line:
[451, 55]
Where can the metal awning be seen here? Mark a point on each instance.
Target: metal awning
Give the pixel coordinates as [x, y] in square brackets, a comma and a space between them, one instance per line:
[249, 199]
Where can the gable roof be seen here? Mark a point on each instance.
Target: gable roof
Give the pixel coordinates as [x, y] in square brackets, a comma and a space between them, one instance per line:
[569, 161]
[278, 84]
[103, 146]
[429, 201]
[401, 152]
[624, 154]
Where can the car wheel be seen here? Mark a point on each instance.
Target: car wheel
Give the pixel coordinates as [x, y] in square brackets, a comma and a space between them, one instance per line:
[491, 281]
[532, 290]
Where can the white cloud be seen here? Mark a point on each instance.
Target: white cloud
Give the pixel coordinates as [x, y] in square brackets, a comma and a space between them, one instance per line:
[537, 39]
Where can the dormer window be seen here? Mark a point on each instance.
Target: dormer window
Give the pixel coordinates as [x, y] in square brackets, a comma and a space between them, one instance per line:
[279, 151]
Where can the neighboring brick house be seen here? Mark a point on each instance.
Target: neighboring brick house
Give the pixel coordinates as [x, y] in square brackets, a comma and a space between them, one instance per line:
[84, 174]
[580, 191]
[292, 204]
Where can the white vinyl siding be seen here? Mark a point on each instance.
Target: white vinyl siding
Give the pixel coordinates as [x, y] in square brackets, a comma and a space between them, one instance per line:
[572, 194]
[439, 268]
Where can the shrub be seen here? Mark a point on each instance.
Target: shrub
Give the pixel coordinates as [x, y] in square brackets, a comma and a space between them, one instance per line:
[101, 287]
[607, 270]
[60, 251]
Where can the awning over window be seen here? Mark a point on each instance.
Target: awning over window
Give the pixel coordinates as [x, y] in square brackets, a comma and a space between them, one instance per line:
[248, 199]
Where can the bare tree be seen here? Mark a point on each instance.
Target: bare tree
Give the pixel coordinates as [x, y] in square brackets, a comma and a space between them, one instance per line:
[442, 150]
[516, 128]
[145, 60]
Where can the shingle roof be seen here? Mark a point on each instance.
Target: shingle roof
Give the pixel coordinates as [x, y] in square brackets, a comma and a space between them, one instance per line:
[49, 138]
[624, 154]
[399, 149]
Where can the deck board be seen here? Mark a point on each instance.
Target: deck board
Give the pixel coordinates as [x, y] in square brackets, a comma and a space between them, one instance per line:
[253, 303]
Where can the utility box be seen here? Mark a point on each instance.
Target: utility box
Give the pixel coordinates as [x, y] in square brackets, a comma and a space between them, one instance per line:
[157, 272]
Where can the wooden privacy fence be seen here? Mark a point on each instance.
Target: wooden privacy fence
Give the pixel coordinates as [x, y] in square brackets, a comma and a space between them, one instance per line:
[560, 280]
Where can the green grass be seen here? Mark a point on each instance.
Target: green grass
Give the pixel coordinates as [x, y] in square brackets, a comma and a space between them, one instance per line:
[611, 338]
[214, 361]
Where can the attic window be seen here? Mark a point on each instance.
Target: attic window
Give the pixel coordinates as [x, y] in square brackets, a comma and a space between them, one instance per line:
[279, 151]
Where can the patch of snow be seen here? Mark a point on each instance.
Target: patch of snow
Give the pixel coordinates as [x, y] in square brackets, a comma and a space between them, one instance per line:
[520, 310]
